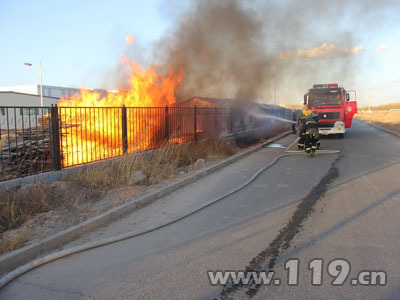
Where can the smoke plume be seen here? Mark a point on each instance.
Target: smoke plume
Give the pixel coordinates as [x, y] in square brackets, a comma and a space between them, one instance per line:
[248, 50]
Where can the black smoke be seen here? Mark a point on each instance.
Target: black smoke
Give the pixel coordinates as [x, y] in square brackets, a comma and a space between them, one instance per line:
[247, 50]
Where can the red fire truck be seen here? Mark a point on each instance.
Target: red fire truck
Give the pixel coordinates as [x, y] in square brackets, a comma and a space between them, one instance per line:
[333, 106]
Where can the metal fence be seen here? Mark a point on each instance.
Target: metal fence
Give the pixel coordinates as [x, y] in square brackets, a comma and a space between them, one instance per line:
[89, 134]
[25, 139]
[39, 139]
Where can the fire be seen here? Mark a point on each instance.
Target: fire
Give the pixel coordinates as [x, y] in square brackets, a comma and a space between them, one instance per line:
[90, 134]
[130, 39]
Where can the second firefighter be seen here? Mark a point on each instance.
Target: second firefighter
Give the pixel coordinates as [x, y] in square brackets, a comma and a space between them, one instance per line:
[310, 133]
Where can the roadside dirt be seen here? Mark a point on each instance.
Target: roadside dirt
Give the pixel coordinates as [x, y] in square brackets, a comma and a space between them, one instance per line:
[385, 119]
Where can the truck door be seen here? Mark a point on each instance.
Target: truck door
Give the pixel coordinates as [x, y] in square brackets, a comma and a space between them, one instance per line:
[350, 108]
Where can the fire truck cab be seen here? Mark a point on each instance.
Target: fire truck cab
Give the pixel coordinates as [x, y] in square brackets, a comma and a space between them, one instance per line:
[333, 106]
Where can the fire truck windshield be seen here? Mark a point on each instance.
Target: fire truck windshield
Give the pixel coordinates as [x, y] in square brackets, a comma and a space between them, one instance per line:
[325, 97]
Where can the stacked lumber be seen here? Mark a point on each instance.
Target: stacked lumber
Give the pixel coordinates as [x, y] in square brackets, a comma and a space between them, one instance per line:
[24, 152]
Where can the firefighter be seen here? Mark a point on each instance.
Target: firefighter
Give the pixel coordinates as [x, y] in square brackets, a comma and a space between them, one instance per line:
[310, 132]
[316, 119]
[300, 144]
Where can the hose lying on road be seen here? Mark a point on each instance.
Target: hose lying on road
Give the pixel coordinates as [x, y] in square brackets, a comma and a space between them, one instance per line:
[302, 151]
[54, 256]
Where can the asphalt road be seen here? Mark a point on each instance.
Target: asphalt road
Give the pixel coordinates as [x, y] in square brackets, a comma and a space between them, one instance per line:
[343, 206]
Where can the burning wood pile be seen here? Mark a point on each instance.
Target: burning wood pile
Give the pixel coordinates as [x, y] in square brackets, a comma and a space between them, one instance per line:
[24, 152]
[92, 123]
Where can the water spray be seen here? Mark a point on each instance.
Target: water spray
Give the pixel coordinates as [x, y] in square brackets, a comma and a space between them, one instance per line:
[266, 116]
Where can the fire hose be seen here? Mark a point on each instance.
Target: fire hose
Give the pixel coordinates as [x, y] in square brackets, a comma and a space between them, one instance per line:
[73, 250]
[301, 151]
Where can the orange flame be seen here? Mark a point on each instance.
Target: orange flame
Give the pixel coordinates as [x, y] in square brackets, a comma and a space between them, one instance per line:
[89, 134]
[130, 39]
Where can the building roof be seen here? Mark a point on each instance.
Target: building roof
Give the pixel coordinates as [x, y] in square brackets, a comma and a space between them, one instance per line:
[12, 92]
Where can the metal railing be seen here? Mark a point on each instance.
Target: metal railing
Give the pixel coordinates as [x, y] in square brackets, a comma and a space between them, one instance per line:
[88, 134]
[25, 139]
[95, 133]
[39, 139]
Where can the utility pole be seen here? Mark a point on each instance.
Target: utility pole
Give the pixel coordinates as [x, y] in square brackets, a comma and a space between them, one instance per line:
[275, 96]
[41, 84]
[41, 76]
[369, 98]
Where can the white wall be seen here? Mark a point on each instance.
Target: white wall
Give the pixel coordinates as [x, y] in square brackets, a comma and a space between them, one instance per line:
[27, 89]
[16, 99]
[48, 90]
[18, 118]
[57, 91]
[22, 117]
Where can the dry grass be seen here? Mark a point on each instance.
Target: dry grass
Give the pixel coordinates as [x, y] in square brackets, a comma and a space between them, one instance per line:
[19, 204]
[11, 242]
[162, 163]
[383, 107]
[389, 120]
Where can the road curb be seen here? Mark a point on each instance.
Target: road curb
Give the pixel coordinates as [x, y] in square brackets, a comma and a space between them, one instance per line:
[14, 259]
[381, 128]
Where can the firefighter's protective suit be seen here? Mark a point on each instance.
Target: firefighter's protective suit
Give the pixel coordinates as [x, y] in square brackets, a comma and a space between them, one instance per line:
[310, 132]
[300, 144]
[318, 143]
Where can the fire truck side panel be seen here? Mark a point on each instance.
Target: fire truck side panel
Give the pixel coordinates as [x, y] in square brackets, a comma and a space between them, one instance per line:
[350, 108]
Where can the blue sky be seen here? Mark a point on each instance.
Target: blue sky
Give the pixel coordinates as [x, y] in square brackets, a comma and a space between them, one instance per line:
[75, 40]
[80, 42]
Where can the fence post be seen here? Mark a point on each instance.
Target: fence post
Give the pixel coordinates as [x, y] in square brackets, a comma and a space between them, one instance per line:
[231, 120]
[243, 120]
[216, 123]
[124, 130]
[195, 123]
[166, 123]
[55, 138]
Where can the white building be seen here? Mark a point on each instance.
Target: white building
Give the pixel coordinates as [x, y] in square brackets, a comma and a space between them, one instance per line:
[48, 90]
[28, 96]
[25, 110]
[8, 98]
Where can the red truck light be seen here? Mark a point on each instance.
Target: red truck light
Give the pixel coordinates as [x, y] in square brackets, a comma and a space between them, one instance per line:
[333, 85]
